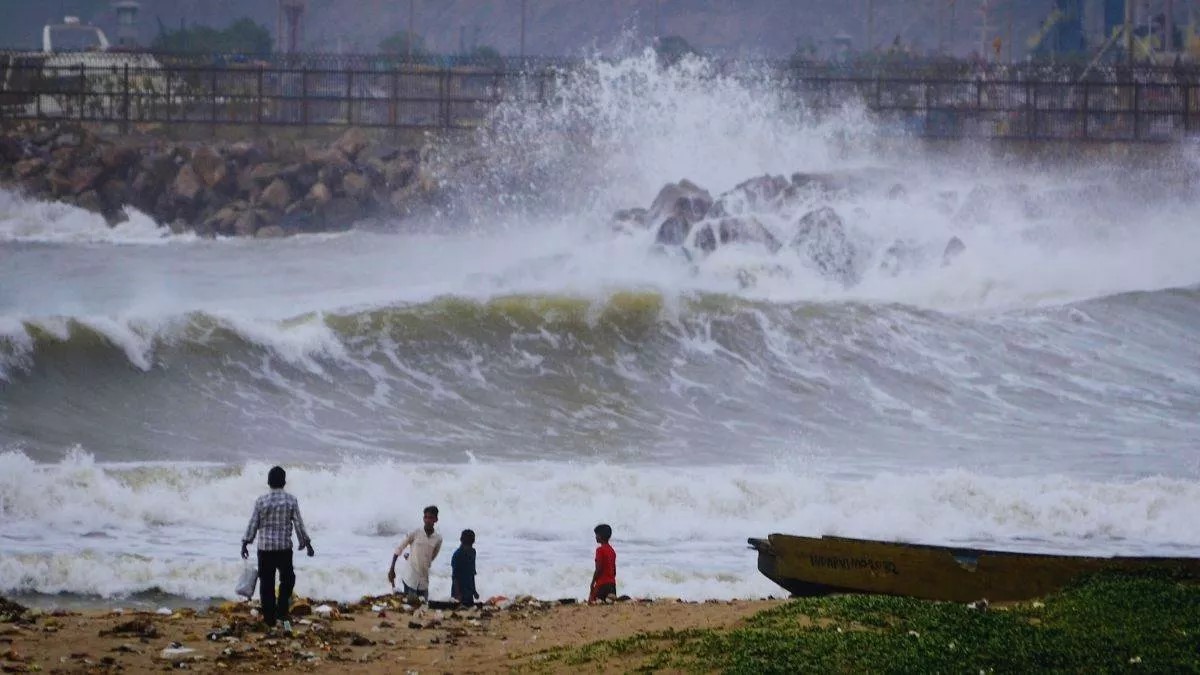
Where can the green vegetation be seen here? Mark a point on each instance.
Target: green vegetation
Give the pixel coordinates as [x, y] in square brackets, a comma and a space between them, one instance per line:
[241, 37]
[1105, 624]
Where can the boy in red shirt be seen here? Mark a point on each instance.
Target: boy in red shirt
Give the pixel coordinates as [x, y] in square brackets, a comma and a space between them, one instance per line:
[604, 579]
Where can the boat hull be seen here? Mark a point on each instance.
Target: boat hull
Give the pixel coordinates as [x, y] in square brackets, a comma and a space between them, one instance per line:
[808, 566]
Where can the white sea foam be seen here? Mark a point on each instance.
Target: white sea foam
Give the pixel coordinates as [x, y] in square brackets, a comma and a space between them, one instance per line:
[680, 531]
[27, 220]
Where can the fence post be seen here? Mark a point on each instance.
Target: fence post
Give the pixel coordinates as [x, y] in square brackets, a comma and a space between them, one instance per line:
[125, 126]
[1137, 111]
[349, 97]
[1087, 114]
[168, 106]
[304, 95]
[1186, 108]
[929, 121]
[258, 113]
[213, 103]
[393, 107]
[37, 92]
[444, 97]
[1030, 114]
[82, 91]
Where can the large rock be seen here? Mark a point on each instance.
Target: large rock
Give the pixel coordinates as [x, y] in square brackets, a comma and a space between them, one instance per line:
[210, 166]
[246, 223]
[320, 194]
[684, 200]
[954, 248]
[270, 232]
[735, 231]
[821, 238]
[753, 195]
[277, 195]
[28, 168]
[351, 142]
[673, 232]
[355, 185]
[84, 178]
[187, 184]
[117, 157]
[900, 256]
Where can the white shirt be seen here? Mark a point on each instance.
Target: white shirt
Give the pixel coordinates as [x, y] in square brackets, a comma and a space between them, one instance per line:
[423, 548]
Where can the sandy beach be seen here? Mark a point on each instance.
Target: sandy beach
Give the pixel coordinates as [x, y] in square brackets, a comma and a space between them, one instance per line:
[376, 635]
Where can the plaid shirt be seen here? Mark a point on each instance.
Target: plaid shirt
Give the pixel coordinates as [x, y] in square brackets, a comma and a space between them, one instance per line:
[274, 514]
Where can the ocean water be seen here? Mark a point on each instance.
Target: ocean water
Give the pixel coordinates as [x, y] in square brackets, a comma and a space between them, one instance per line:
[517, 361]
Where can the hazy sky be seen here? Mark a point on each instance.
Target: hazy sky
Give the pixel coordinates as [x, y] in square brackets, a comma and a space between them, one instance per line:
[562, 27]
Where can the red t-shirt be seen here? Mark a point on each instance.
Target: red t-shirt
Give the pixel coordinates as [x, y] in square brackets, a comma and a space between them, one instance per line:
[606, 562]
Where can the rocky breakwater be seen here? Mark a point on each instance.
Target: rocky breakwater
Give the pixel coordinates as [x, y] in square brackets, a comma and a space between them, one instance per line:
[797, 216]
[253, 188]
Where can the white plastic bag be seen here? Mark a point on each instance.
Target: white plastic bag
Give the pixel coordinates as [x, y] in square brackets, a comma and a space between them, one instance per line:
[246, 582]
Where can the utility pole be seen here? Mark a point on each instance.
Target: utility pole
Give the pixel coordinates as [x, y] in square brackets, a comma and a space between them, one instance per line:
[983, 30]
[412, 34]
[657, 19]
[870, 25]
[1129, 31]
[1168, 26]
[1011, 11]
[522, 28]
[941, 26]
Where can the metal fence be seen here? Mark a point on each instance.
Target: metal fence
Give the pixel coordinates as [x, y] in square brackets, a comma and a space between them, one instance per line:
[1007, 103]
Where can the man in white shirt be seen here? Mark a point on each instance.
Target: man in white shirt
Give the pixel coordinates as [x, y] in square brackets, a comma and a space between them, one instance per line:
[423, 546]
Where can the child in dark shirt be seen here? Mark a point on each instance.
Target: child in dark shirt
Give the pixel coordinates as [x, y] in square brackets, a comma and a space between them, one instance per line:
[604, 579]
[462, 570]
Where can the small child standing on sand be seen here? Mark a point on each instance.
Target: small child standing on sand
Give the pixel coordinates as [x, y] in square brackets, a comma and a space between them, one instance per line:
[604, 579]
[462, 570]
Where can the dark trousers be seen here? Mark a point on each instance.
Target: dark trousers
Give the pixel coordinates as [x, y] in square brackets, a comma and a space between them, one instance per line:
[268, 562]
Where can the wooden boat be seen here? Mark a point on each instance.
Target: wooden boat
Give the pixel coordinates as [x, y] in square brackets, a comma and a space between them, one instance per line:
[808, 566]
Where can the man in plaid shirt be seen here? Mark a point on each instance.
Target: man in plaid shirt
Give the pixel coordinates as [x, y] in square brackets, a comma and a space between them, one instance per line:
[274, 515]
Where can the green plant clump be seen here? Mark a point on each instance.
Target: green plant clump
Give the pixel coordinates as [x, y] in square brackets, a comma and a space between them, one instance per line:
[1105, 624]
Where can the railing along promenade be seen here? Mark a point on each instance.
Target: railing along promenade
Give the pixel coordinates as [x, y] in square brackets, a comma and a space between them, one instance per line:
[942, 100]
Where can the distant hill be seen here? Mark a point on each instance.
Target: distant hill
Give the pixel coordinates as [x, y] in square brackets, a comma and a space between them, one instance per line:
[569, 27]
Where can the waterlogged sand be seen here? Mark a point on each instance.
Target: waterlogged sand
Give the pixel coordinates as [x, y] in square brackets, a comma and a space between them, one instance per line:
[377, 635]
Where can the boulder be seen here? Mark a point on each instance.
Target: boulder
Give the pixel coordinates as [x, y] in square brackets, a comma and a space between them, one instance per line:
[246, 223]
[355, 185]
[270, 232]
[245, 152]
[117, 158]
[954, 248]
[210, 166]
[747, 230]
[749, 196]
[90, 201]
[341, 213]
[84, 178]
[187, 185]
[399, 172]
[901, 255]
[320, 194]
[732, 231]
[821, 238]
[684, 200]
[629, 219]
[673, 231]
[28, 168]
[351, 142]
[277, 195]
[327, 157]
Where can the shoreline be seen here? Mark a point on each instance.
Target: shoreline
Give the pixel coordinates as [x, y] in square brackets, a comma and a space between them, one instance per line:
[375, 635]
